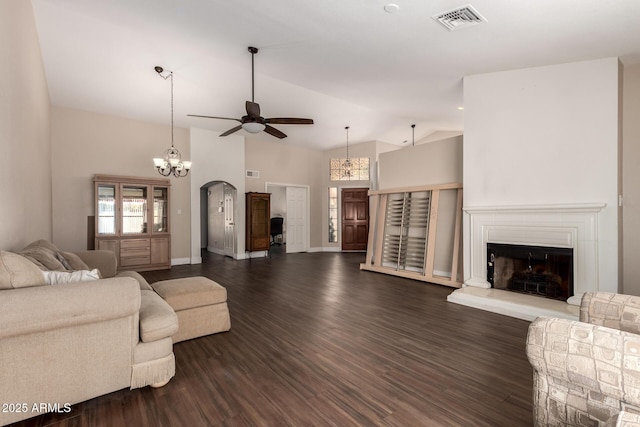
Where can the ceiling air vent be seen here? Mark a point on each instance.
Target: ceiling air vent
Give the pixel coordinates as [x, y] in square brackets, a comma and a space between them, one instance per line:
[461, 17]
[253, 174]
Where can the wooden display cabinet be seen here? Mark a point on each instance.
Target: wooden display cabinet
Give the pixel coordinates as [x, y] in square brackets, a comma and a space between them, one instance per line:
[132, 220]
[258, 207]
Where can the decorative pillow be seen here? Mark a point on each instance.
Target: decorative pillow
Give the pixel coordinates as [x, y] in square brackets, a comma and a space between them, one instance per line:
[73, 261]
[45, 257]
[35, 261]
[18, 272]
[43, 244]
[61, 277]
[63, 261]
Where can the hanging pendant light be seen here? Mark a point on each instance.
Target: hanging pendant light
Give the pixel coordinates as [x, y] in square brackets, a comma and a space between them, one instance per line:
[172, 163]
[413, 135]
[347, 166]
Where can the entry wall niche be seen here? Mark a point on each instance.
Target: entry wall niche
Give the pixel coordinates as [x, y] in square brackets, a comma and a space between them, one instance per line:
[404, 236]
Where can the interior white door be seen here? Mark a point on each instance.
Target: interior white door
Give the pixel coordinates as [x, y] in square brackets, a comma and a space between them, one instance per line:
[297, 220]
[229, 220]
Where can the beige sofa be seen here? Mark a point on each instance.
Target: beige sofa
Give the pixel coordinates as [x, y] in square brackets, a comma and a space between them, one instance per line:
[587, 373]
[62, 344]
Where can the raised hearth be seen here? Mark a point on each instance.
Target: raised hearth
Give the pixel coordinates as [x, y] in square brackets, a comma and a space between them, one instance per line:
[571, 226]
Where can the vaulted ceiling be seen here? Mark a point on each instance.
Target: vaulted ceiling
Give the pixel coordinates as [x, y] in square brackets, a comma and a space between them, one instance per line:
[339, 62]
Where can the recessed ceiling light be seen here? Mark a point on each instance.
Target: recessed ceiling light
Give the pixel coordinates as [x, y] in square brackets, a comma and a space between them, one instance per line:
[460, 108]
[391, 8]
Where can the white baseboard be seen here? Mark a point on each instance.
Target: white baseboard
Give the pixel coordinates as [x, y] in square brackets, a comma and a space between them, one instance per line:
[195, 260]
[325, 249]
[256, 254]
[182, 261]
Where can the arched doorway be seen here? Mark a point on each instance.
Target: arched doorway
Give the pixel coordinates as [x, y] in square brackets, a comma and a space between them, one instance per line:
[218, 218]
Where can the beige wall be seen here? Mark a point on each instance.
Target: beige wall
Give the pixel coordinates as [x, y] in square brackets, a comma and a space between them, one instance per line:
[85, 144]
[430, 161]
[285, 164]
[437, 162]
[631, 180]
[25, 143]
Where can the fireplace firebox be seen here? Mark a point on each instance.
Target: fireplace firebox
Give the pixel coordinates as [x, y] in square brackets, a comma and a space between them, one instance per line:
[536, 270]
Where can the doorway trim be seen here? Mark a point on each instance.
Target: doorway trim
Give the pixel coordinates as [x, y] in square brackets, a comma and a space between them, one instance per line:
[205, 214]
[338, 247]
[307, 224]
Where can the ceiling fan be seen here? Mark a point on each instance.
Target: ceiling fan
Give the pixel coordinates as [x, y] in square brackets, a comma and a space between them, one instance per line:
[253, 122]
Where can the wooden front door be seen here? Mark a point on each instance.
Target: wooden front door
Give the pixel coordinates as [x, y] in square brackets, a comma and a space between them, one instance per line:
[355, 219]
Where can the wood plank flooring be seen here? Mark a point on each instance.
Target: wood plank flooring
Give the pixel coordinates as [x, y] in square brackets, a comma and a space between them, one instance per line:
[314, 341]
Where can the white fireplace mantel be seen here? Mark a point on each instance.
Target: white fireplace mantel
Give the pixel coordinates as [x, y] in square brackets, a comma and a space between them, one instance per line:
[573, 226]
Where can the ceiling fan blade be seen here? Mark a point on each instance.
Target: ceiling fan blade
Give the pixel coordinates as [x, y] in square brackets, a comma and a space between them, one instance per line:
[214, 117]
[232, 130]
[253, 109]
[275, 132]
[289, 121]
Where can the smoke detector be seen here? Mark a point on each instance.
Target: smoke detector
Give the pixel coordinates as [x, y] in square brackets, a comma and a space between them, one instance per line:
[460, 17]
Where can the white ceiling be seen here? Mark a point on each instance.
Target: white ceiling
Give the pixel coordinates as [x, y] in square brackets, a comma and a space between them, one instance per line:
[339, 62]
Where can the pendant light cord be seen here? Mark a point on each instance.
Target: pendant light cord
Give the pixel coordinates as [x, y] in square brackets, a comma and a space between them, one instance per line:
[413, 135]
[347, 129]
[171, 75]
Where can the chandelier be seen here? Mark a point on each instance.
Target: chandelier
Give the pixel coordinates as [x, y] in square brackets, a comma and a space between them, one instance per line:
[347, 166]
[172, 163]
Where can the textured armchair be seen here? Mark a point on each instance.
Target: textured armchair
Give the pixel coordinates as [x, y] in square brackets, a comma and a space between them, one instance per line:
[587, 373]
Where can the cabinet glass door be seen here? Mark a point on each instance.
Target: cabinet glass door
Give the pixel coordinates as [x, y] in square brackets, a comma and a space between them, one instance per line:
[160, 210]
[106, 209]
[134, 209]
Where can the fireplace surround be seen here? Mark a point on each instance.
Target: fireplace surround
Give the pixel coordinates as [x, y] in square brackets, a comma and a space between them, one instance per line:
[570, 226]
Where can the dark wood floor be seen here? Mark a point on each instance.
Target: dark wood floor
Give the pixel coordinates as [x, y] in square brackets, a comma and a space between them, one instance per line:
[314, 341]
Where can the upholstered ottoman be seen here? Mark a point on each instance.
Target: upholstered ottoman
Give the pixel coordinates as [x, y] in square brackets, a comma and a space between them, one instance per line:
[199, 303]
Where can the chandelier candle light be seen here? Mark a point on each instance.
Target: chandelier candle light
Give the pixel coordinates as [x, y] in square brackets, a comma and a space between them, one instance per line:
[172, 164]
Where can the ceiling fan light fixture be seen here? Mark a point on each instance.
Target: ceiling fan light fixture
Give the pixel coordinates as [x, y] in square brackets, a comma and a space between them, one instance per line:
[253, 127]
[253, 122]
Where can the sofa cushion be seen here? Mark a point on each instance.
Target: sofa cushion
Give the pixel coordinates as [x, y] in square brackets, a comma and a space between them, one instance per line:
[18, 272]
[103, 260]
[190, 292]
[157, 318]
[144, 285]
[61, 277]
